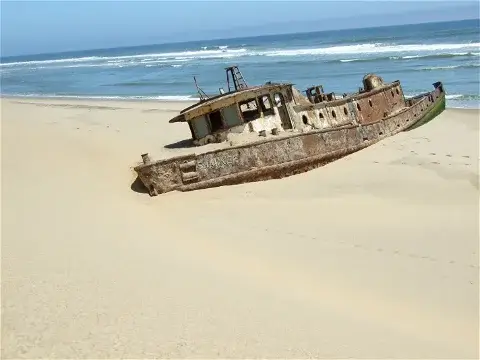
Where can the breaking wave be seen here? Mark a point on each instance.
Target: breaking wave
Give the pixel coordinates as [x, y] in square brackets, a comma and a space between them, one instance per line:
[224, 52]
[462, 97]
[141, 58]
[108, 97]
[409, 57]
[372, 49]
[454, 97]
[449, 67]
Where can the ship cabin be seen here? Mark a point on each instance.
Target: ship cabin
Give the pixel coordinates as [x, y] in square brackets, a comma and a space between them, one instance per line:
[245, 109]
[273, 108]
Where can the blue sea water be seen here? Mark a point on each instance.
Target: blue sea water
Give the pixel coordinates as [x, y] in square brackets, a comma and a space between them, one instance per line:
[417, 55]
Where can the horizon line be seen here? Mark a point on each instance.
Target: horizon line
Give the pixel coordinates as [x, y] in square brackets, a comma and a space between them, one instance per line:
[235, 38]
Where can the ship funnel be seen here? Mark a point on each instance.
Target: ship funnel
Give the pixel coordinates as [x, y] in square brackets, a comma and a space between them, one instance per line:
[372, 81]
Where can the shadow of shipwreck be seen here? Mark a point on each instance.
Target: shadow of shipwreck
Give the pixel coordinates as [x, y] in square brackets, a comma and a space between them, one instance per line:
[187, 143]
[138, 186]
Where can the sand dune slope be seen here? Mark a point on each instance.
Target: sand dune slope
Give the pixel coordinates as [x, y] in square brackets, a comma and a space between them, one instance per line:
[374, 256]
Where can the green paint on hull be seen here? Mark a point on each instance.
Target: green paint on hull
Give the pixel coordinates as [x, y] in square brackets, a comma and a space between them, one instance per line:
[434, 112]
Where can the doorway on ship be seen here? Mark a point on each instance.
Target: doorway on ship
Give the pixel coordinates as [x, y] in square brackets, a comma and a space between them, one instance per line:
[282, 111]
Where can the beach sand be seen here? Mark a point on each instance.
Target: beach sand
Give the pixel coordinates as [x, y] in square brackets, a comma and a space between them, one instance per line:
[372, 256]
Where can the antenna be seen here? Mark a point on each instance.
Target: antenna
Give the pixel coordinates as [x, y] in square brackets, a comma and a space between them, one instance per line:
[202, 94]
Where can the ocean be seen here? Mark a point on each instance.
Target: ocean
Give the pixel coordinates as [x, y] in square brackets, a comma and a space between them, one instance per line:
[417, 55]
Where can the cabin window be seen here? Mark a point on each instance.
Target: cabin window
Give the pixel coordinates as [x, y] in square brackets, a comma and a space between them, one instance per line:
[200, 126]
[266, 105]
[249, 110]
[278, 100]
[231, 116]
[216, 122]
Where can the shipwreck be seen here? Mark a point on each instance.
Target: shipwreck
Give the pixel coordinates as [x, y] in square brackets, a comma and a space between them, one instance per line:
[272, 130]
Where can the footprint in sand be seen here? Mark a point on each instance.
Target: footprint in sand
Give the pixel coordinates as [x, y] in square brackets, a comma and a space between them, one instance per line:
[432, 154]
[466, 156]
[448, 155]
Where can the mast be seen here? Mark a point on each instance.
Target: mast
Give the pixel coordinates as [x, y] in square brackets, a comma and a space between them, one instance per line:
[237, 78]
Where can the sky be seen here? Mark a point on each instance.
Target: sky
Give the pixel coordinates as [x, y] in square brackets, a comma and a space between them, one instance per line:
[34, 27]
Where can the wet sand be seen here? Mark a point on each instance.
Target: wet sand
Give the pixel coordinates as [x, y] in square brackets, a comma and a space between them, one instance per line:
[372, 256]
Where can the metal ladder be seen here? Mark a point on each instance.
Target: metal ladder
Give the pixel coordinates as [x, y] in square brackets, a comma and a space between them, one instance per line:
[237, 78]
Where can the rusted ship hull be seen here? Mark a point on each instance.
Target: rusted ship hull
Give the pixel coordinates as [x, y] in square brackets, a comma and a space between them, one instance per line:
[283, 156]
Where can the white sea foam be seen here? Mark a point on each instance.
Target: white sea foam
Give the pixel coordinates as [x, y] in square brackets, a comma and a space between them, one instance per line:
[453, 96]
[57, 61]
[224, 52]
[470, 101]
[447, 96]
[450, 67]
[372, 49]
[171, 56]
[442, 67]
[107, 97]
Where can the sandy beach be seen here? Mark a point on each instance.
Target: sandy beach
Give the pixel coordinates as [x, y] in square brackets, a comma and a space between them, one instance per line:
[372, 256]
